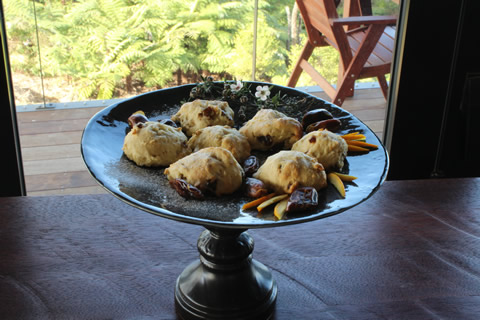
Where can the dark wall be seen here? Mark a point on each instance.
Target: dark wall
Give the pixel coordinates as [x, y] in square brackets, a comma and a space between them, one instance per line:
[437, 92]
[461, 154]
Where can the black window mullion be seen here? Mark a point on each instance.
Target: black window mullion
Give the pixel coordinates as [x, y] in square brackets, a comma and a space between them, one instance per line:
[12, 181]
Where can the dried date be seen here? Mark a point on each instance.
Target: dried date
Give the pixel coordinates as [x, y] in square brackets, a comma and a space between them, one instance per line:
[186, 190]
[251, 165]
[136, 118]
[302, 199]
[316, 115]
[255, 188]
[330, 124]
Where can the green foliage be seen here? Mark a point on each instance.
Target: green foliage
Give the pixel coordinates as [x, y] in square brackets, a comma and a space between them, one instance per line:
[113, 40]
[384, 7]
[105, 45]
[271, 52]
[20, 21]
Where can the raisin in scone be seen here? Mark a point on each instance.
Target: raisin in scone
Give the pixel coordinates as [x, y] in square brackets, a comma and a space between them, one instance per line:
[269, 128]
[327, 147]
[221, 136]
[211, 169]
[286, 171]
[153, 144]
[199, 114]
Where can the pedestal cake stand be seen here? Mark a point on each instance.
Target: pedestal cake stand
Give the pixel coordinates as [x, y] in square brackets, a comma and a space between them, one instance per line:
[225, 282]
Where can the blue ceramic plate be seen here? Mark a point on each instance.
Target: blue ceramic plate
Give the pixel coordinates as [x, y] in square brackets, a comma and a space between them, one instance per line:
[148, 188]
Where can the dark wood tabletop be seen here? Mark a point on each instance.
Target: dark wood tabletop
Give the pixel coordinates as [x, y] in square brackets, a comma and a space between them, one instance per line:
[412, 251]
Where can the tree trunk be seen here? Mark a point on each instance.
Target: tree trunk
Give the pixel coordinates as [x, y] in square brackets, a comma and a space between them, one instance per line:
[128, 84]
[179, 77]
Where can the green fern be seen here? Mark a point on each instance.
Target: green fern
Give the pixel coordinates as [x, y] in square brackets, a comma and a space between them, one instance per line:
[101, 43]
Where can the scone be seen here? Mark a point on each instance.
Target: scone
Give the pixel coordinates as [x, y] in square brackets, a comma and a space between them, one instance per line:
[327, 147]
[286, 171]
[211, 169]
[269, 128]
[153, 144]
[199, 114]
[221, 136]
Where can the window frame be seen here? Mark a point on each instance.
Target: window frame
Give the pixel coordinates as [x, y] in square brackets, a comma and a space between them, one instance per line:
[13, 180]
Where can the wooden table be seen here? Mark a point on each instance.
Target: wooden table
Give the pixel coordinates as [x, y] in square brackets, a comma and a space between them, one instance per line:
[412, 251]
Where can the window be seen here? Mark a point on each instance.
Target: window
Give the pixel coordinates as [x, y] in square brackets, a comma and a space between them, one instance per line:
[407, 97]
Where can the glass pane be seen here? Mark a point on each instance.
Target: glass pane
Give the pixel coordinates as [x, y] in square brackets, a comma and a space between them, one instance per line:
[69, 58]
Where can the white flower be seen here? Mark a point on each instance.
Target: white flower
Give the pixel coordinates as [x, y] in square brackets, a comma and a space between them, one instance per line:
[236, 86]
[262, 93]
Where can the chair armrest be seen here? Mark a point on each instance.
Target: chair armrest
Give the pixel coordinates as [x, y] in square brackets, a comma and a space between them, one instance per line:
[364, 20]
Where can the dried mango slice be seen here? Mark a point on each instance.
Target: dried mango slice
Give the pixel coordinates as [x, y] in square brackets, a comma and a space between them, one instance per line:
[273, 200]
[256, 202]
[337, 183]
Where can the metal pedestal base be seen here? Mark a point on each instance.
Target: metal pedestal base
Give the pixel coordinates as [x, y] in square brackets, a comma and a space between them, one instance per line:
[226, 283]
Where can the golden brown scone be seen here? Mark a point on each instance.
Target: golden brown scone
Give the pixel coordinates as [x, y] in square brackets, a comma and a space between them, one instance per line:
[211, 169]
[327, 147]
[153, 144]
[286, 171]
[221, 136]
[269, 128]
[199, 114]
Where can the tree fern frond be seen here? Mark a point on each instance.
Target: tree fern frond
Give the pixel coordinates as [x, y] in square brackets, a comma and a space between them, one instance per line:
[86, 90]
[231, 5]
[18, 8]
[118, 68]
[95, 43]
[137, 16]
[106, 88]
[112, 9]
[132, 56]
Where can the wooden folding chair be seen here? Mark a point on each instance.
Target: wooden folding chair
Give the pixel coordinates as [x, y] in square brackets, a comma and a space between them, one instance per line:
[365, 45]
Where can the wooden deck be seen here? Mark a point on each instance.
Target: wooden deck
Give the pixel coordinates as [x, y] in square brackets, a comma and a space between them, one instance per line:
[50, 142]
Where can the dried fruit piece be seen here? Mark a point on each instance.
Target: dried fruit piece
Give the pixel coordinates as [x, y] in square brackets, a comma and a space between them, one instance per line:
[337, 183]
[186, 190]
[251, 165]
[330, 124]
[362, 144]
[302, 199]
[354, 136]
[280, 209]
[315, 116]
[136, 118]
[255, 188]
[345, 177]
[352, 148]
[273, 200]
[256, 202]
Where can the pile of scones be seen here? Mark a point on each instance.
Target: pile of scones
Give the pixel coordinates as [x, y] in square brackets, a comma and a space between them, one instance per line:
[207, 152]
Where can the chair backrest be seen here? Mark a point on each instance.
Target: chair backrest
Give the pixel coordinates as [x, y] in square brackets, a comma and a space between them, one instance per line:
[316, 15]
